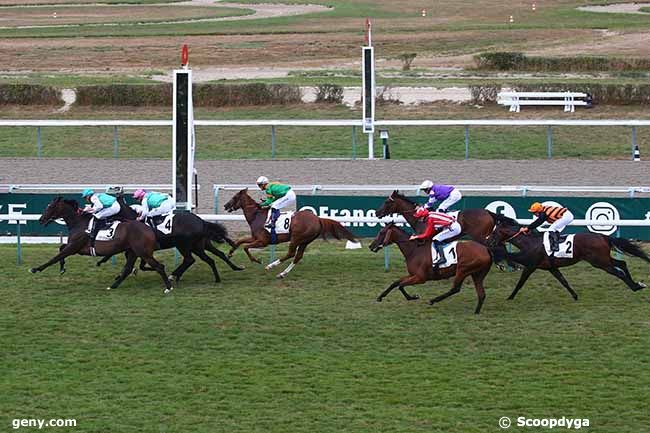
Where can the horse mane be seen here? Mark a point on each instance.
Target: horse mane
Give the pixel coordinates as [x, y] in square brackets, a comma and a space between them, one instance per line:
[399, 195]
[71, 202]
[499, 218]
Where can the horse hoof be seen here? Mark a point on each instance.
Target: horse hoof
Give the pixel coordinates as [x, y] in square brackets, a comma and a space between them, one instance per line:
[32, 270]
[62, 271]
[379, 299]
[237, 269]
[414, 298]
[280, 276]
[642, 285]
[268, 267]
[108, 288]
[431, 302]
[168, 291]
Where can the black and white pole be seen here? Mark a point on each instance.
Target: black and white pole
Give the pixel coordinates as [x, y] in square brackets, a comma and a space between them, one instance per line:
[183, 136]
[637, 154]
[383, 134]
[368, 89]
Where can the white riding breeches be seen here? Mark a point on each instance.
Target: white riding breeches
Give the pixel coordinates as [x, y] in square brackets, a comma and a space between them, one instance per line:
[106, 212]
[454, 197]
[452, 230]
[288, 199]
[559, 225]
[165, 207]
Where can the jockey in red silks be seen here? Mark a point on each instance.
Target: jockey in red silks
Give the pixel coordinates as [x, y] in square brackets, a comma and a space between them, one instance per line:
[447, 226]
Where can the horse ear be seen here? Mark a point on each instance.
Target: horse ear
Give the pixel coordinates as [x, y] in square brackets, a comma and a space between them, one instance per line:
[395, 192]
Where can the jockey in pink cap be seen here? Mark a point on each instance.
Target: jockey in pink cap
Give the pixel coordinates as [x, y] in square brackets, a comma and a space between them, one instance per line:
[153, 203]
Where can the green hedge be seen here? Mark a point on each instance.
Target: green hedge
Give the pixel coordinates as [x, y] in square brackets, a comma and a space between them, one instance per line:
[204, 95]
[29, 94]
[609, 94]
[513, 61]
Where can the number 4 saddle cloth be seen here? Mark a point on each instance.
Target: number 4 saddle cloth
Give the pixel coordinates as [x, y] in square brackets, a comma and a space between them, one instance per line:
[566, 246]
[450, 253]
[283, 223]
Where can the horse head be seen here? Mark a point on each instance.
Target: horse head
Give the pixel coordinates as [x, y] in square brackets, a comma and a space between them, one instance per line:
[504, 229]
[237, 201]
[383, 238]
[395, 203]
[57, 208]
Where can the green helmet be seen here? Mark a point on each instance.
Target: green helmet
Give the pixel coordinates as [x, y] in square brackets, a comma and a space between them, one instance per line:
[87, 192]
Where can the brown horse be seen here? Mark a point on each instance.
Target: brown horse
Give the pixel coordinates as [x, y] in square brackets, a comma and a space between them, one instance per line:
[591, 247]
[475, 223]
[132, 237]
[304, 229]
[473, 259]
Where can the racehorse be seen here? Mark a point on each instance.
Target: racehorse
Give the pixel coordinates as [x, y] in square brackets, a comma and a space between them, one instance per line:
[305, 227]
[476, 223]
[590, 247]
[474, 259]
[132, 237]
[190, 235]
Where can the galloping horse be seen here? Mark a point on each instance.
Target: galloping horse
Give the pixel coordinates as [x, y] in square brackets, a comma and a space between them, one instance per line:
[590, 247]
[190, 235]
[304, 229]
[473, 259]
[133, 237]
[476, 223]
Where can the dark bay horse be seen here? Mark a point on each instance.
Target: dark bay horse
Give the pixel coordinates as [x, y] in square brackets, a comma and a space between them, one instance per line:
[304, 229]
[474, 260]
[132, 237]
[593, 248]
[475, 223]
[190, 235]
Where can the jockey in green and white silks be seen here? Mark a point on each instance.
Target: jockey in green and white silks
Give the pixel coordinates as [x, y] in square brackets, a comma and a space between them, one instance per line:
[278, 196]
[154, 203]
[102, 206]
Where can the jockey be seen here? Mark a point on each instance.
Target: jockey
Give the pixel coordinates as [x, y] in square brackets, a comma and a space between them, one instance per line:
[447, 225]
[448, 194]
[101, 206]
[278, 197]
[558, 216]
[154, 203]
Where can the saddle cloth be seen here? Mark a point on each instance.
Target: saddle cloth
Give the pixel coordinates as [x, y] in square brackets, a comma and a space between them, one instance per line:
[164, 223]
[566, 246]
[283, 223]
[108, 233]
[449, 251]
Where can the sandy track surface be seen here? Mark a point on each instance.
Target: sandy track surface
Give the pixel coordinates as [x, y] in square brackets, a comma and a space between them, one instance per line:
[529, 172]
[627, 8]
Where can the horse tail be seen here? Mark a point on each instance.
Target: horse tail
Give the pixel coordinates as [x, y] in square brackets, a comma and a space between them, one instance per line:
[335, 229]
[216, 232]
[628, 247]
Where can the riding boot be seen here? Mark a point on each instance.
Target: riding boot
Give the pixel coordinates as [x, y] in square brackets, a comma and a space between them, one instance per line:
[275, 214]
[93, 234]
[441, 255]
[555, 241]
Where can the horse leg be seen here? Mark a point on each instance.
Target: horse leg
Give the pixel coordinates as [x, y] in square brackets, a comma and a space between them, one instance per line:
[478, 279]
[404, 281]
[455, 288]
[558, 276]
[621, 264]
[614, 268]
[217, 252]
[255, 244]
[128, 268]
[290, 253]
[298, 255]
[160, 268]
[68, 250]
[526, 273]
[238, 242]
[102, 260]
[188, 261]
[207, 259]
[62, 261]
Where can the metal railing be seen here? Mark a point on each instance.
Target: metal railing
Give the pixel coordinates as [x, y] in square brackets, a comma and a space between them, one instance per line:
[524, 190]
[273, 124]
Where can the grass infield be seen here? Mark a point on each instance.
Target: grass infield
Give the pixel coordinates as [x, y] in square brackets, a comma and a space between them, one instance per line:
[315, 353]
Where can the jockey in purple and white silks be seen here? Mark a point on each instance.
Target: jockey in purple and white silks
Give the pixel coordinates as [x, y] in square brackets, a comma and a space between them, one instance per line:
[446, 194]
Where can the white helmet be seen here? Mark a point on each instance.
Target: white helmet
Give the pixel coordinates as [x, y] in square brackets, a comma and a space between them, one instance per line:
[262, 180]
[427, 184]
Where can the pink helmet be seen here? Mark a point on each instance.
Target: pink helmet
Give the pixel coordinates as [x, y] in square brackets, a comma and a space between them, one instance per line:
[139, 194]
